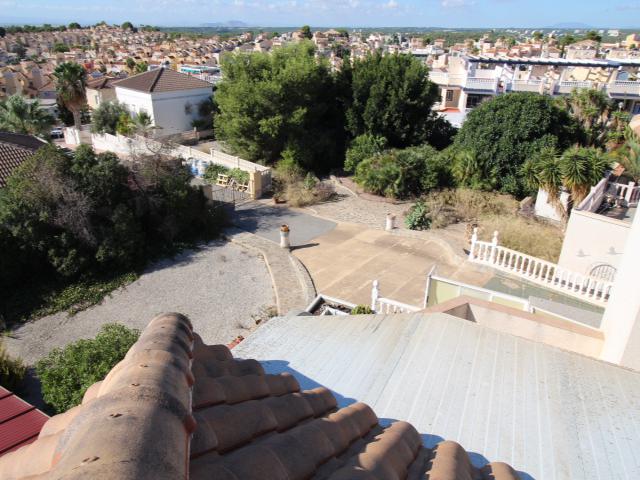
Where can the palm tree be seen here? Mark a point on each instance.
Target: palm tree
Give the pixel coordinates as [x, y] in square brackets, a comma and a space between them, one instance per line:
[593, 110]
[629, 153]
[575, 172]
[71, 80]
[581, 169]
[19, 116]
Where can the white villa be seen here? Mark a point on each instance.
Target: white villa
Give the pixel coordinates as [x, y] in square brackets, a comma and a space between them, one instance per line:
[171, 99]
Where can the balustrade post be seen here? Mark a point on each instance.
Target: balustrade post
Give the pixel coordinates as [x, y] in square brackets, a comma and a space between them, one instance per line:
[375, 294]
[629, 191]
[474, 239]
[494, 246]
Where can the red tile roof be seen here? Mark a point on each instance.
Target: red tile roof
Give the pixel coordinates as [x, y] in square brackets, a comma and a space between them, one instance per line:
[162, 80]
[20, 423]
[176, 408]
[15, 149]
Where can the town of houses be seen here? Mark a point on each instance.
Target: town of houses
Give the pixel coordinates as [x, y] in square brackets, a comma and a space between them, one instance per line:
[467, 72]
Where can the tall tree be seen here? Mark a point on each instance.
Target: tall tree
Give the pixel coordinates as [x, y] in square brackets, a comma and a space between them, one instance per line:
[306, 32]
[509, 129]
[391, 97]
[19, 116]
[286, 100]
[71, 81]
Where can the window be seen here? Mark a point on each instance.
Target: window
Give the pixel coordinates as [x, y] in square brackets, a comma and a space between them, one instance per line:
[449, 95]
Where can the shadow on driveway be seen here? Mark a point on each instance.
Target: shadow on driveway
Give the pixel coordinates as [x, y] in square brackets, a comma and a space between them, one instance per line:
[265, 221]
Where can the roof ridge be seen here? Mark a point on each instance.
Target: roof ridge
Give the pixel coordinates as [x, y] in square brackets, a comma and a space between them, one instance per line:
[155, 81]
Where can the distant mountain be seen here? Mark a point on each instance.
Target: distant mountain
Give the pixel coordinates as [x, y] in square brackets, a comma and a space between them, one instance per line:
[581, 26]
[229, 24]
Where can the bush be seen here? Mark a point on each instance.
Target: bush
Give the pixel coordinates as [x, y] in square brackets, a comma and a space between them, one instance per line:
[361, 310]
[418, 217]
[363, 147]
[296, 189]
[239, 175]
[66, 373]
[105, 118]
[85, 218]
[403, 173]
[502, 133]
[212, 171]
[12, 370]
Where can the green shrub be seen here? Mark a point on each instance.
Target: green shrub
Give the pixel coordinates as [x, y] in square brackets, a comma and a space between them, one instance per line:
[66, 373]
[212, 171]
[418, 217]
[239, 175]
[363, 147]
[404, 173]
[105, 118]
[361, 310]
[12, 370]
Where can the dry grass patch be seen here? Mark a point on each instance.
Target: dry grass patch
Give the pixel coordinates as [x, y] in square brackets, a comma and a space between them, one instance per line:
[524, 235]
[490, 211]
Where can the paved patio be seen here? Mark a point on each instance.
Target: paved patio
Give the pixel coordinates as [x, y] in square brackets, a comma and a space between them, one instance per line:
[344, 261]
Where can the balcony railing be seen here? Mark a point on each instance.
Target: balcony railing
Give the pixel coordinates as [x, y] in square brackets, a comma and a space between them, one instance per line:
[527, 86]
[475, 83]
[541, 272]
[624, 88]
[447, 79]
[629, 193]
[567, 86]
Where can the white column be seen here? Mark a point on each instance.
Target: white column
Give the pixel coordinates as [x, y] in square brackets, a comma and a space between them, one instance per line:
[375, 294]
[630, 186]
[494, 246]
[621, 320]
[474, 239]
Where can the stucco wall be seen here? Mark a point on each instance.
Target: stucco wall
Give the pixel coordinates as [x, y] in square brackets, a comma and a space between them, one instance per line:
[591, 239]
[546, 210]
[167, 109]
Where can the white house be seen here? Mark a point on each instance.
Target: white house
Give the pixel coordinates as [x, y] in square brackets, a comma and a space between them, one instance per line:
[172, 99]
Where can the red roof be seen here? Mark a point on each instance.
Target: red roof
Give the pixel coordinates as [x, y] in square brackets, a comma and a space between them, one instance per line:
[20, 422]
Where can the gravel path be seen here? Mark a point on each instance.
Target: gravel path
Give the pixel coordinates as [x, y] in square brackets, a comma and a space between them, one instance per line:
[222, 288]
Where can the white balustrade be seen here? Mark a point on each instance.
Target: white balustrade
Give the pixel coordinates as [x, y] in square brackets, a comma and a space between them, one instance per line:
[567, 86]
[477, 83]
[623, 87]
[539, 271]
[386, 305]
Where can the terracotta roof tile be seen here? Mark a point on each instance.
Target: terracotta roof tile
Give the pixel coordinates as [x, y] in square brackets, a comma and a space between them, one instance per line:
[15, 149]
[162, 80]
[177, 408]
[20, 422]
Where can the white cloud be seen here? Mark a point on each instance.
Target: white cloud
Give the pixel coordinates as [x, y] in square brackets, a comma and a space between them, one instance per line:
[391, 4]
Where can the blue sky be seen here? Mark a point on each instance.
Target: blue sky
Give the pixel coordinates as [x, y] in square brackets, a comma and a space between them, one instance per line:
[419, 13]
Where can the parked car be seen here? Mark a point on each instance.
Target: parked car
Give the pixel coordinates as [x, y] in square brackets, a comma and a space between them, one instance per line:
[57, 133]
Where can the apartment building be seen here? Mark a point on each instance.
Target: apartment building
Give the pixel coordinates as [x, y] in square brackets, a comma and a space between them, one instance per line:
[467, 80]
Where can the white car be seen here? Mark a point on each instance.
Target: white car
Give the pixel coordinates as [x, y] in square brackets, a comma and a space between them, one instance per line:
[57, 133]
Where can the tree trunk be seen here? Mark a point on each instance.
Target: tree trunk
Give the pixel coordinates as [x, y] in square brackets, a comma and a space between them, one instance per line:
[76, 119]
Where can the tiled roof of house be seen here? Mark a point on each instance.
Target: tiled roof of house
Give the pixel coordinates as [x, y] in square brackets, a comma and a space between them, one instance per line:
[162, 80]
[15, 149]
[176, 408]
[100, 83]
[20, 422]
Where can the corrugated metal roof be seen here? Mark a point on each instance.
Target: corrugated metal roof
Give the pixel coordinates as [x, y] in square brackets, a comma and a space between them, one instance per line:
[20, 422]
[551, 414]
